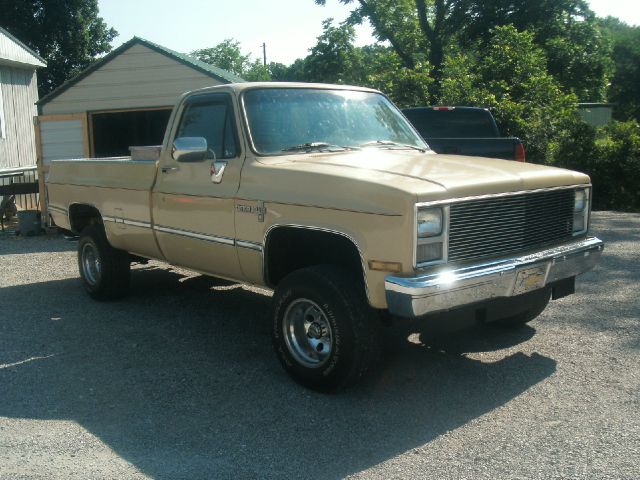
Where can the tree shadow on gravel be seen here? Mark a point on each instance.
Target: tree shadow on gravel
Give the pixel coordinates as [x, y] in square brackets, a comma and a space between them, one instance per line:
[180, 380]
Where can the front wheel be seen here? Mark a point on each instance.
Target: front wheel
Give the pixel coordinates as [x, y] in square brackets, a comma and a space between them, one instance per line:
[324, 332]
[105, 271]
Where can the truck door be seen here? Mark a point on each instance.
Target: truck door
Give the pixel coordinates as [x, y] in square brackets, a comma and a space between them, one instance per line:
[193, 202]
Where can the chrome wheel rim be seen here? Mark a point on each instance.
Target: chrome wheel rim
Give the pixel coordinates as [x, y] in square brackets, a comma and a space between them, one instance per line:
[307, 333]
[91, 267]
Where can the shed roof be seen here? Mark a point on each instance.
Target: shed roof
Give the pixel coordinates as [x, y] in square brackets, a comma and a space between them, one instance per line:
[14, 52]
[202, 67]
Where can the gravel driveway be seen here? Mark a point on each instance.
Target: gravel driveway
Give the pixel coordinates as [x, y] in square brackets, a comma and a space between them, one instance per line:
[179, 381]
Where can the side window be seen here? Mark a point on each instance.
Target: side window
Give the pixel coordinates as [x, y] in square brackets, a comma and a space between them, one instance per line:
[211, 117]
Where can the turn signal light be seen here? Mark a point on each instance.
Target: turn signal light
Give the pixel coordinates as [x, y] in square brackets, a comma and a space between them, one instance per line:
[379, 265]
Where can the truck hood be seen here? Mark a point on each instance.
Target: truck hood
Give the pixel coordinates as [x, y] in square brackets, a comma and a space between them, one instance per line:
[432, 176]
[389, 182]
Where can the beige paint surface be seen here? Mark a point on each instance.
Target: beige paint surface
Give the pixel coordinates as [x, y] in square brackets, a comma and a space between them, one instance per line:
[368, 196]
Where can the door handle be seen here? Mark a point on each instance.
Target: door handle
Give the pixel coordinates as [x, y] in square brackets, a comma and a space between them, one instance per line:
[217, 170]
[168, 169]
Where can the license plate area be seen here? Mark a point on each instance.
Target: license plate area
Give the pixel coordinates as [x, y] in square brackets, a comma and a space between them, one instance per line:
[529, 279]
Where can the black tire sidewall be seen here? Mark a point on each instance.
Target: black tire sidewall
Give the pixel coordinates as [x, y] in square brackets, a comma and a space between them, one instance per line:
[88, 238]
[340, 315]
[115, 272]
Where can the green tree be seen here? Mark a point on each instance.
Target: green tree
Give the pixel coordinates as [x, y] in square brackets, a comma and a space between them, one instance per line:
[257, 72]
[424, 31]
[580, 58]
[610, 155]
[228, 56]
[279, 72]
[383, 70]
[509, 74]
[418, 30]
[625, 84]
[334, 58]
[67, 34]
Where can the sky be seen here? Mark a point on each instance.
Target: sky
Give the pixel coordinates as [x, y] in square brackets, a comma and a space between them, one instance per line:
[288, 27]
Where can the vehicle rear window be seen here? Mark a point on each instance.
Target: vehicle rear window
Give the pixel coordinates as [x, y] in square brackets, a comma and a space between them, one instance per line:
[456, 123]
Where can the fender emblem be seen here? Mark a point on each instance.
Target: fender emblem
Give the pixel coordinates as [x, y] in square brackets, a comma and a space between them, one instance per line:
[260, 210]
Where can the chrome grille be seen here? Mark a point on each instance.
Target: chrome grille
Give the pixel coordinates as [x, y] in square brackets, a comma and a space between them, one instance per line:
[496, 226]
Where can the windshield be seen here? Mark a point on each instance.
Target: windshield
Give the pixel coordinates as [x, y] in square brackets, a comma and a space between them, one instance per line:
[285, 120]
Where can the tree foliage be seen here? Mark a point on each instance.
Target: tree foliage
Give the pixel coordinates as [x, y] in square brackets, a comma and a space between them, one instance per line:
[625, 84]
[610, 155]
[509, 74]
[334, 58]
[67, 34]
[424, 31]
[228, 56]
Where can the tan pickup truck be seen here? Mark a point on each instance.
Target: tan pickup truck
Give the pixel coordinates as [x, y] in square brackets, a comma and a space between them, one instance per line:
[327, 195]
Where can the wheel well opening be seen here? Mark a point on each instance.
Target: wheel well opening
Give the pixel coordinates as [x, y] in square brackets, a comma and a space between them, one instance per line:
[81, 216]
[291, 248]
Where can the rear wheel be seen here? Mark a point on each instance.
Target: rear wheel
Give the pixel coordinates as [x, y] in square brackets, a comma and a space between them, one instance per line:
[324, 331]
[105, 271]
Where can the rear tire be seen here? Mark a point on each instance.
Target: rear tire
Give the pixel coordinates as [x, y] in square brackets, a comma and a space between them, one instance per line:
[539, 304]
[325, 334]
[105, 271]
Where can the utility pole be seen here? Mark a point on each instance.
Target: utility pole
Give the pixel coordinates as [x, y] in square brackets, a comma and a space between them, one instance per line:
[264, 54]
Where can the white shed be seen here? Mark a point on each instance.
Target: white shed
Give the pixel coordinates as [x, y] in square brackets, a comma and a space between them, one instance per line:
[18, 97]
[121, 100]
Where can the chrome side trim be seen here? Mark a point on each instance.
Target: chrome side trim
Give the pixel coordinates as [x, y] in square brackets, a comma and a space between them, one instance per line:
[187, 233]
[500, 195]
[249, 245]
[136, 223]
[199, 236]
[443, 289]
[105, 161]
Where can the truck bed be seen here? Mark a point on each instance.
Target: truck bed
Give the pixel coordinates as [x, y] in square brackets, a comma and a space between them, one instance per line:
[118, 187]
[504, 148]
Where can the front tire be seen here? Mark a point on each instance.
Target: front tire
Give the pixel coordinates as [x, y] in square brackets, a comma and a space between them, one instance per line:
[105, 271]
[325, 334]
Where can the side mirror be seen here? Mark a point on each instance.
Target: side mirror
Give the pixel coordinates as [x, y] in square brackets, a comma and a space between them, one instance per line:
[189, 149]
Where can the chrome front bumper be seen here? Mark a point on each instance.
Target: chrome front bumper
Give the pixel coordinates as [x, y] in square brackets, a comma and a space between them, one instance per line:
[448, 289]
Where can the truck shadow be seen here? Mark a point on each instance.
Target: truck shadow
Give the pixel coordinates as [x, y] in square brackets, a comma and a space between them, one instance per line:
[180, 380]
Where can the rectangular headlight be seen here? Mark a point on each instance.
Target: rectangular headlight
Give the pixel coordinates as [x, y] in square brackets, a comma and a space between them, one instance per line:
[431, 235]
[429, 222]
[581, 211]
[580, 201]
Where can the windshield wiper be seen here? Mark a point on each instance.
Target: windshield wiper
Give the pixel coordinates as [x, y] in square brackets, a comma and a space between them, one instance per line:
[311, 146]
[390, 143]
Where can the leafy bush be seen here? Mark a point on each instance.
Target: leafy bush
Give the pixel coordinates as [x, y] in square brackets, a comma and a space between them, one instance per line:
[510, 76]
[610, 156]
